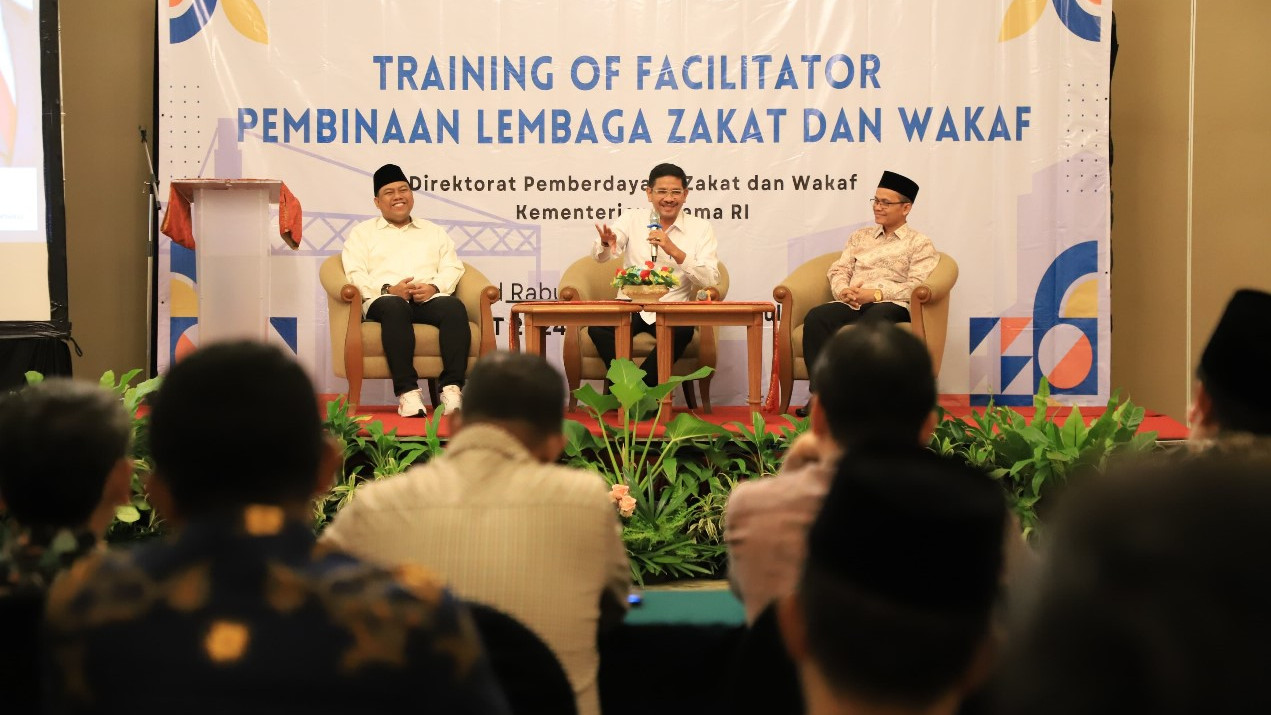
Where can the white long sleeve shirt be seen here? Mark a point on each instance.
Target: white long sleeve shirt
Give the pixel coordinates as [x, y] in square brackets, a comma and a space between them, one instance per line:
[378, 252]
[691, 234]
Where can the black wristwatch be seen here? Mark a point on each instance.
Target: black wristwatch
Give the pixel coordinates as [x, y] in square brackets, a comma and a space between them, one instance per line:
[384, 289]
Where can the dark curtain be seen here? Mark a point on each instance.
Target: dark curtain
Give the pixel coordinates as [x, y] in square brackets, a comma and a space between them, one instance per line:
[48, 356]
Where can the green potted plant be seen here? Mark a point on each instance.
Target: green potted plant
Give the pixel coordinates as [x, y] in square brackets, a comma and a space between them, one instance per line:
[1035, 459]
[664, 500]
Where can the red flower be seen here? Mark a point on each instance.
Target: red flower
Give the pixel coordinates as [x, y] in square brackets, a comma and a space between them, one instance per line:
[644, 275]
[648, 264]
[666, 269]
[618, 272]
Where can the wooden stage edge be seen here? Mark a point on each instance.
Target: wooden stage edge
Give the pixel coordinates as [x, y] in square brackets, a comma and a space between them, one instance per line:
[1167, 428]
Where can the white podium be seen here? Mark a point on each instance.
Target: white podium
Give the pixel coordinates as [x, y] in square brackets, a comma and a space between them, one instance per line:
[232, 234]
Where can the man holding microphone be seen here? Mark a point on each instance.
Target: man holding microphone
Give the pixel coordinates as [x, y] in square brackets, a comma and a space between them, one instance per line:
[672, 238]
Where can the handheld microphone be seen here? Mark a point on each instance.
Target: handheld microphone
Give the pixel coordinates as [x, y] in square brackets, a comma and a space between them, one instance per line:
[654, 223]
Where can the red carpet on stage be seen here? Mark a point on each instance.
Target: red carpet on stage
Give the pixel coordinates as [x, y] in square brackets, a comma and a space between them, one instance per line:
[1166, 428]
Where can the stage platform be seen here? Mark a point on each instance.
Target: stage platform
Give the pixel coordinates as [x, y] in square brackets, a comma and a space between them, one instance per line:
[1167, 429]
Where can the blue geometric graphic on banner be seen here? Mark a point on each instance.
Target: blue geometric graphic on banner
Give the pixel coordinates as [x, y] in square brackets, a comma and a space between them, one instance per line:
[287, 330]
[980, 328]
[1075, 18]
[1089, 385]
[189, 23]
[1001, 400]
[182, 262]
[1011, 367]
[1068, 267]
[177, 328]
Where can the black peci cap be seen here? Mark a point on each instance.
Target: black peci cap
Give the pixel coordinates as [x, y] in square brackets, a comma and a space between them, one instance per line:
[902, 185]
[388, 174]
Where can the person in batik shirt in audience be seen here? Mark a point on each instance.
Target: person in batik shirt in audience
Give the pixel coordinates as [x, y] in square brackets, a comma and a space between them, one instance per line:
[240, 610]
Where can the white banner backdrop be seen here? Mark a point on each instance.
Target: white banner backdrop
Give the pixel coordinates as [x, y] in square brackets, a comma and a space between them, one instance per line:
[525, 122]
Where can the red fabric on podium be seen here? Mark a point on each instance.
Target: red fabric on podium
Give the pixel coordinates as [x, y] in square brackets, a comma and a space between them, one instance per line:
[290, 218]
[178, 226]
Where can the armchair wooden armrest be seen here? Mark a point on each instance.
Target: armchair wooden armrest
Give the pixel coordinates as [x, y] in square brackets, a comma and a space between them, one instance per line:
[353, 342]
[477, 294]
[931, 292]
[804, 289]
[920, 295]
[489, 296]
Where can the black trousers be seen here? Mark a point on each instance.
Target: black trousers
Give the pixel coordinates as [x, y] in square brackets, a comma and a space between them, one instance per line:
[823, 321]
[603, 338]
[446, 313]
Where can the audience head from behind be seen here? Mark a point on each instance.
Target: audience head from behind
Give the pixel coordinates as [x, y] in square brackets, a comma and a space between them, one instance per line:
[235, 424]
[874, 384]
[1152, 594]
[238, 593]
[1231, 392]
[892, 611]
[64, 456]
[64, 467]
[521, 394]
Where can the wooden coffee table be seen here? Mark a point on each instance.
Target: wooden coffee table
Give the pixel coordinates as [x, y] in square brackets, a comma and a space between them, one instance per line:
[694, 313]
[538, 316]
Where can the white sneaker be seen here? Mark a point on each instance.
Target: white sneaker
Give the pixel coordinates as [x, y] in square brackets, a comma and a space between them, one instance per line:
[451, 399]
[411, 404]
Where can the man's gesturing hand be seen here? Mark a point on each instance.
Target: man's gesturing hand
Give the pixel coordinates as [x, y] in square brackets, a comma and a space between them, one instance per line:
[607, 236]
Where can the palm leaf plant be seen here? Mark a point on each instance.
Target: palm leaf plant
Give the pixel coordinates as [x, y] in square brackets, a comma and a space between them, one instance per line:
[668, 498]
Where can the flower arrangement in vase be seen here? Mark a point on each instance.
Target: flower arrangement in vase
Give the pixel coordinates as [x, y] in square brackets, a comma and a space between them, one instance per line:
[644, 284]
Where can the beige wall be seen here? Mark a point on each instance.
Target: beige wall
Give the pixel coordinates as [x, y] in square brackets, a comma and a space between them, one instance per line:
[1231, 246]
[1149, 203]
[1160, 297]
[107, 92]
[1172, 274]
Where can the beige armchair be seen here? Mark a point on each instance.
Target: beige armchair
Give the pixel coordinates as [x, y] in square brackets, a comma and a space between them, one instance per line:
[808, 287]
[588, 279]
[356, 348]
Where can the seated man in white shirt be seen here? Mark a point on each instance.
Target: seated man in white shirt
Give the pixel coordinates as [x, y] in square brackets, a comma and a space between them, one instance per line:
[879, 269]
[671, 238]
[406, 269]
